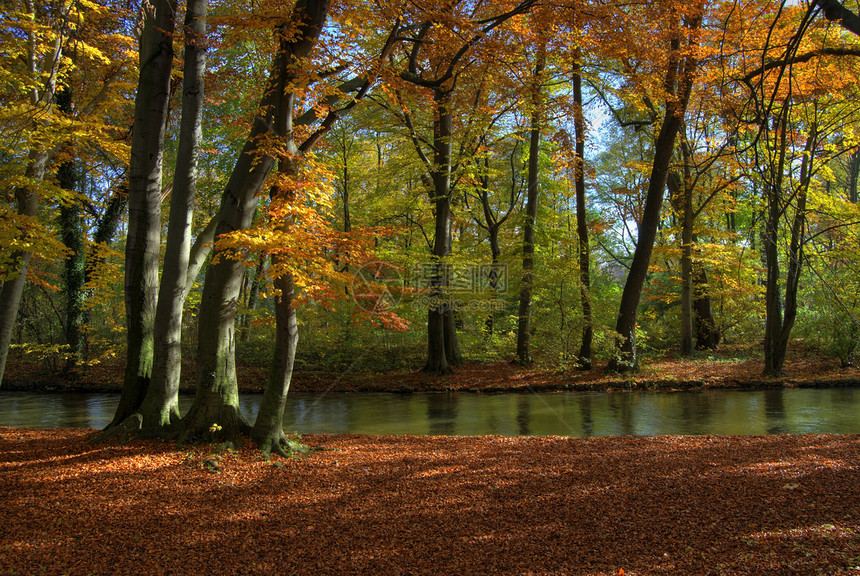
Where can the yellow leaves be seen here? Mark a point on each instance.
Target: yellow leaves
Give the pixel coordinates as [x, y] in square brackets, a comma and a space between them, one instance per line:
[20, 233]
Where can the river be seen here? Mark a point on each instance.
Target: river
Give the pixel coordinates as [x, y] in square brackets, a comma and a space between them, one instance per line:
[774, 411]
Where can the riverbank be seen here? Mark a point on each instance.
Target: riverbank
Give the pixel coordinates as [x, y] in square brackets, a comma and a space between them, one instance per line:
[671, 505]
[726, 369]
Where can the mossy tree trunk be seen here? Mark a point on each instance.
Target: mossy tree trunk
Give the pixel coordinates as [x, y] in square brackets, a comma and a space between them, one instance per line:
[214, 413]
[144, 202]
[160, 406]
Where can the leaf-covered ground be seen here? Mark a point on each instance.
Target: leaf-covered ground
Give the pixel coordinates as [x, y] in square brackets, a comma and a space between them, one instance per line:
[433, 505]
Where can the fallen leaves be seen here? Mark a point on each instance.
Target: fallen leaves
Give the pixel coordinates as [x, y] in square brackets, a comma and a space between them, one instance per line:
[433, 505]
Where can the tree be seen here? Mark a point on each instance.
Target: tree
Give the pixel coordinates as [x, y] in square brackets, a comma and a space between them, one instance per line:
[160, 406]
[524, 313]
[144, 201]
[434, 64]
[681, 67]
[46, 47]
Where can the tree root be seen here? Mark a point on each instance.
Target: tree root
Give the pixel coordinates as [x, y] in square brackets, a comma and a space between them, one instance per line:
[284, 446]
[120, 433]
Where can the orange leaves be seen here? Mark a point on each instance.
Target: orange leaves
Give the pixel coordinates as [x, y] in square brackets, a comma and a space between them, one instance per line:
[431, 505]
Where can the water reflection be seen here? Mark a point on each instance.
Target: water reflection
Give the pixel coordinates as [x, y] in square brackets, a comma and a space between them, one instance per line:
[774, 411]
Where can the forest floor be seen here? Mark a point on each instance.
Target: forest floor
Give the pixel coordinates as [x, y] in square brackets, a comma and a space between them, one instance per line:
[671, 505]
[727, 368]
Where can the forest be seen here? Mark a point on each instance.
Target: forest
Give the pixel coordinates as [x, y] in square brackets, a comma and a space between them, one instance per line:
[331, 185]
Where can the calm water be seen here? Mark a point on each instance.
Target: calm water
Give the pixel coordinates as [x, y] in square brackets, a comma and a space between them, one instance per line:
[835, 410]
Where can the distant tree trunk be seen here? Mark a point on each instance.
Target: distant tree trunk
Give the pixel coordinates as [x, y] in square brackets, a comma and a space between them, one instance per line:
[493, 224]
[585, 349]
[347, 222]
[443, 349]
[707, 333]
[144, 202]
[853, 176]
[253, 297]
[679, 80]
[525, 307]
[696, 315]
[108, 224]
[773, 303]
[71, 230]
[160, 406]
[106, 228]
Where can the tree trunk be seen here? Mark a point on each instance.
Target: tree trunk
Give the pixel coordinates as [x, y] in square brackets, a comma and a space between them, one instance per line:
[144, 202]
[778, 331]
[853, 176]
[773, 304]
[585, 348]
[13, 288]
[495, 253]
[443, 350]
[525, 307]
[707, 333]
[253, 297]
[686, 205]
[625, 357]
[268, 429]
[160, 407]
[217, 390]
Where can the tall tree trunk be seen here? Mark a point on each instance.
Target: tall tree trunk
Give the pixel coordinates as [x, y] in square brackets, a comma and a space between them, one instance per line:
[770, 247]
[216, 400]
[778, 328]
[443, 350]
[679, 80]
[144, 202]
[685, 204]
[524, 312]
[585, 348]
[160, 406]
[13, 288]
[71, 230]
